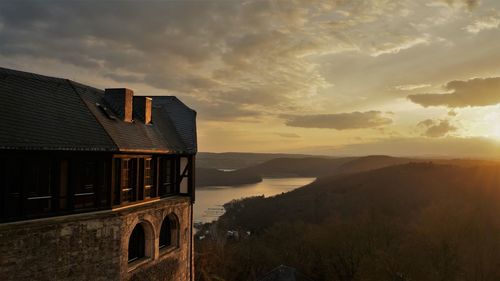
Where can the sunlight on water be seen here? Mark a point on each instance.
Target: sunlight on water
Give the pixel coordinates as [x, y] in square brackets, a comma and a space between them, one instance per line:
[209, 200]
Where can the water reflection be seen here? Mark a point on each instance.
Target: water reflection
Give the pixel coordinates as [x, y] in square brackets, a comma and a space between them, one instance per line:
[209, 200]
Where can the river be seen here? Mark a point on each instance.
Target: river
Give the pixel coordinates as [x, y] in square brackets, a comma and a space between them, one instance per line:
[209, 200]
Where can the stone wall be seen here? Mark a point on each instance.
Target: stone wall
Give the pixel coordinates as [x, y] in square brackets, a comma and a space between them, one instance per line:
[93, 246]
[168, 264]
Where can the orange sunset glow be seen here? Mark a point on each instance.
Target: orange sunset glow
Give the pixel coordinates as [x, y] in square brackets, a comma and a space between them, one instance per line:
[320, 77]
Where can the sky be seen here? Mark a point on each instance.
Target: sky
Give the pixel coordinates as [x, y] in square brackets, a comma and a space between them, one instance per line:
[337, 77]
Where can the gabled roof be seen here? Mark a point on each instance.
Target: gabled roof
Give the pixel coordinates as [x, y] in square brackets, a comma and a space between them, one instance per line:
[45, 113]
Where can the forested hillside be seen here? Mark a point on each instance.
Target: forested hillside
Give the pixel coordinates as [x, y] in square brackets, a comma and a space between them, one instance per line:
[417, 221]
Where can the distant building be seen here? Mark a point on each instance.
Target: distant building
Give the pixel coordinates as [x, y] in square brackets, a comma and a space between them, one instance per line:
[94, 185]
[284, 273]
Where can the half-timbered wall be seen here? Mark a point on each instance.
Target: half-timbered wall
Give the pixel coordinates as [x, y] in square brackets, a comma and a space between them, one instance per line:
[37, 184]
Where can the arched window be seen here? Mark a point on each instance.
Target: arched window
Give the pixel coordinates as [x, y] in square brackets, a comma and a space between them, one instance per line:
[136, 244]
[169, 232]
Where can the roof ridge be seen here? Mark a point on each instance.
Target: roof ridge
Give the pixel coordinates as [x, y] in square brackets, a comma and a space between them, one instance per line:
[177, 100]
[22, 73]
[76, 83]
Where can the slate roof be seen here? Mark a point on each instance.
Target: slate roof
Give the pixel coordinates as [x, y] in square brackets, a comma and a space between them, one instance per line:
[46, 113]
[284, 273]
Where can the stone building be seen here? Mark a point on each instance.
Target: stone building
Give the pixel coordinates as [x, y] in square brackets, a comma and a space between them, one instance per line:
[94, 185]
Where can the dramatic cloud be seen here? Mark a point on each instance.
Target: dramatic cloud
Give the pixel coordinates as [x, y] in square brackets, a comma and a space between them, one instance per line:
[233, 54]
[474, 92]
[249, 63]
[436, 128]
[340, 121]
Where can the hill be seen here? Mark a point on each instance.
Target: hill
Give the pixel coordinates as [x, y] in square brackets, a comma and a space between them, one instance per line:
[237, 160]
[415, 221]
[296, 166]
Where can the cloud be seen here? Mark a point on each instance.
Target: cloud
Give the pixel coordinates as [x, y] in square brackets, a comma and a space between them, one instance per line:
[436, 128]
[398, 46]
[483, 24]
[231, 53]
[411, 87]
[473, 92]
[219, 110]
[228, 53]
[229, 59]
[339, 121]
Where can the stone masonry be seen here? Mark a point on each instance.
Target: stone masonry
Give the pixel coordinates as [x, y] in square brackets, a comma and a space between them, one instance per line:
[93, 246]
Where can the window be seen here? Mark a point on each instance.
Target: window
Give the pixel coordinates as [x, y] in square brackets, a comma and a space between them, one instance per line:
[128, 179]
[86, 186]
[167, 176]
[13, 181]
[140, 244]
[148, 179]
[37, 182]
[169, 232]
[165, 234]
[136, 244]
[41, 184]
[125, 175]
[184, 175]
[63, 184]
[136, 179]
[89, 175]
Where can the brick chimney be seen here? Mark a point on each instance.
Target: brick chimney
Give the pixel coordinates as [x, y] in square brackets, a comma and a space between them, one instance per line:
[121, 99]
[142, 107]
[147, 109]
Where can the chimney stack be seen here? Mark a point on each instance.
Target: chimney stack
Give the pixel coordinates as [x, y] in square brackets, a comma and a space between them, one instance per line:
[143, 107]
[147, 110]
[121, 101]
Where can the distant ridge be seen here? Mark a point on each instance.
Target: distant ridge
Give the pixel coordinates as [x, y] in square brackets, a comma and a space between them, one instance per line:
[251, 167]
